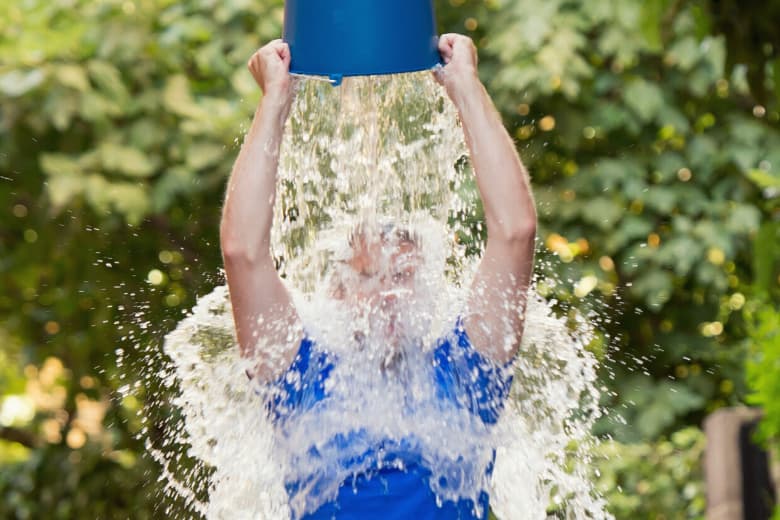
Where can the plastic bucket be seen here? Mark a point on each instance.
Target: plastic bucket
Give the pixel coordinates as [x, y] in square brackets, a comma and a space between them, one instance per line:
[338, 38]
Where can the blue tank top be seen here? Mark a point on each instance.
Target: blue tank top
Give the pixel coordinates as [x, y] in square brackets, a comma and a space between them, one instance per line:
[462, 377]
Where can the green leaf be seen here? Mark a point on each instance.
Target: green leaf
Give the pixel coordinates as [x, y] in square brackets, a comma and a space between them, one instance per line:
[177, 180]
[680, 253]
[630, 229]
[644, 98]
[72, 76]
[704, 154]
[108, 80]
[611, 173]
[654, 286]
[201, 155]
[178, 99]
[127, 160]
[763, 179]
[132, 200]
[652, 11]
[715, 53]
[97, 107]
[743, 219]
[61, 106]
[62, 188]
[663, 199]
[129, 199]
[17, 83]
[56, 164]
[685, 53]
[602, 212]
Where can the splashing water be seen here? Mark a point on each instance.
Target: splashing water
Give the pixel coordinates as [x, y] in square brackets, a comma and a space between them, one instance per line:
[377, 154]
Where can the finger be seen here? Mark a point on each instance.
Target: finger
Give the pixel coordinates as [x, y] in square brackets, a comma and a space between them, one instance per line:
[272, 47]
[446, 42]
[276, 45]
[448, 38]
[283, 51]
[463, 43]
[445, 47]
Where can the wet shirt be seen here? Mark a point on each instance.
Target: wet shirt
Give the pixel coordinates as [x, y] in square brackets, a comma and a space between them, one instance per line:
[393, 481]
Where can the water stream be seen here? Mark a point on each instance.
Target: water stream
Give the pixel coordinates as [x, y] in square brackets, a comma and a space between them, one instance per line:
[376, 154]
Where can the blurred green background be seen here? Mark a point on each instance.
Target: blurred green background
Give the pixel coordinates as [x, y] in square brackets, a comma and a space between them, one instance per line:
[651, 130]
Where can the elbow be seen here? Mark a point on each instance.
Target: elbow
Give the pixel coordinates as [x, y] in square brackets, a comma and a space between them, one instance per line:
[233, 251]
[237, 249]
[516, 231]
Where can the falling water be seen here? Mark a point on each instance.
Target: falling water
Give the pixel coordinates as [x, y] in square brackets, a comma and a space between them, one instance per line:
[374, 151]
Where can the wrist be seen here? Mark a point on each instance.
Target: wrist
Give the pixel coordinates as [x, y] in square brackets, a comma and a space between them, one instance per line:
[465, 91]
[275, 105]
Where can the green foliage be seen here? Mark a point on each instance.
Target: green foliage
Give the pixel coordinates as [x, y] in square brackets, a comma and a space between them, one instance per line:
[647, 126]
[763, 325]
[662, 479]
[55, 483]
[649, 158]
[763, 368]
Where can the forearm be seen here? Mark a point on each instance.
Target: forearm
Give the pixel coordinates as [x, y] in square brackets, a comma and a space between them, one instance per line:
[501, 177]
[248, 211]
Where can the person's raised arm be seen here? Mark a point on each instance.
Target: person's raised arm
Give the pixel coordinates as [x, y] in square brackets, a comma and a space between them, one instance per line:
[495, 315]
[267, 324]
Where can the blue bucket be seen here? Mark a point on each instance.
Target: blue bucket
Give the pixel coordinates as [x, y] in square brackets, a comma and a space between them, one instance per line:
[338, 38]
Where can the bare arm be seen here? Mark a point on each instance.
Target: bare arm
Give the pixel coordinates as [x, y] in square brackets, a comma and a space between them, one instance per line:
[267, 324]
[495, 317]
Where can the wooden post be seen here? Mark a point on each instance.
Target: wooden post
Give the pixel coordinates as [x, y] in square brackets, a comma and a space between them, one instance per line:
[736, 470]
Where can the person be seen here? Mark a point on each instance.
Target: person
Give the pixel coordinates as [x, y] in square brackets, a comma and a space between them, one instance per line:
[469, 368]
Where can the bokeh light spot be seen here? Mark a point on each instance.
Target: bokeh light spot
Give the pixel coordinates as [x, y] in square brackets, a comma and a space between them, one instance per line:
[155, 277]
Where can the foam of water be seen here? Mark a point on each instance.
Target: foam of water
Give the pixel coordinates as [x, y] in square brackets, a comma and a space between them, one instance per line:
[380, 149]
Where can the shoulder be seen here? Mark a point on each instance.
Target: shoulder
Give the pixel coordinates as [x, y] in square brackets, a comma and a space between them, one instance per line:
[466, 376]
[302, 384]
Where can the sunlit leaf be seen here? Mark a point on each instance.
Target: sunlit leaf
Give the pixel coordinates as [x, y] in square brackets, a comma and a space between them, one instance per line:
[62, 188]
[17, 82]
[685, 53]
[127, 160]
[132, 200]
[763, 178]
[202, 155]
[178, 99]
[73, 76]
[55, 164]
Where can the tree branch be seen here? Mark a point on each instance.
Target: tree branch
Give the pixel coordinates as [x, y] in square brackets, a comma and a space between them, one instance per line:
[23, 437]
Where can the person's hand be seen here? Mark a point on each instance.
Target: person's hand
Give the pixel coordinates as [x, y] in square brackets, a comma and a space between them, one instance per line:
[270, 66]
[459, 72]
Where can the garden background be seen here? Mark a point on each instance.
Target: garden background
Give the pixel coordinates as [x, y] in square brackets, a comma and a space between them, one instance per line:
[651, 130]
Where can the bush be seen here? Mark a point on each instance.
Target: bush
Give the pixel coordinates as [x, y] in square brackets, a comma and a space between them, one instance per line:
[658, 480]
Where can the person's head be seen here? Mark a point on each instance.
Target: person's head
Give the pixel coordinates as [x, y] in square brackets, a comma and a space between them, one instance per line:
[376, 278]
[383, 286]
[379, 267]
